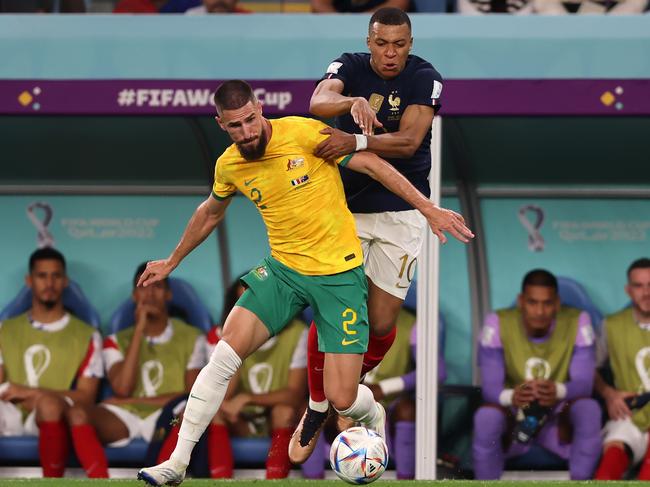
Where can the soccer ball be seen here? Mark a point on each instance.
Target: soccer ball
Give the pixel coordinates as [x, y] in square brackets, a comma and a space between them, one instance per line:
[359, 455]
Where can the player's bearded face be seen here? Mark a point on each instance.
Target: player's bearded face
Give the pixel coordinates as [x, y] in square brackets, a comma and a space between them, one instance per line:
[539, 306]
[389, 48]
[245, 126]
[47, 281]
[638, 288]
[254, 147]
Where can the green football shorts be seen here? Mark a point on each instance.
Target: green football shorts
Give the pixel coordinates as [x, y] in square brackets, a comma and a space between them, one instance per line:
[277, 293]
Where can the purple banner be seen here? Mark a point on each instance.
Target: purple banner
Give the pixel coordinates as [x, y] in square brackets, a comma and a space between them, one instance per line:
[283, 97]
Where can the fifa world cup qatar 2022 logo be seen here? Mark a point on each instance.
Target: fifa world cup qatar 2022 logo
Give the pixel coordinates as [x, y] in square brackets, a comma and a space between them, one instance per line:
[535, 239]
[43, 236]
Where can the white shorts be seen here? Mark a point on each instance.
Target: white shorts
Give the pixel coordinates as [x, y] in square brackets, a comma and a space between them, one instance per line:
[11, 420]
[625, 431]
[138, 427]
[391, 242]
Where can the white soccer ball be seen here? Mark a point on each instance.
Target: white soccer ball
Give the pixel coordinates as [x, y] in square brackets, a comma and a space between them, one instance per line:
[359, 455]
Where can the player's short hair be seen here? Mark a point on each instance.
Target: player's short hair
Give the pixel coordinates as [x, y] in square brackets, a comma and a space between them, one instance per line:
[389, 16]
[138, 273]
[642, 263]
[233, 94]
[539, 277]
[46, 253]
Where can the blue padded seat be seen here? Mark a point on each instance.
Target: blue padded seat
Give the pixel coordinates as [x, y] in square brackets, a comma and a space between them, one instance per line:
[573, 294]
[23, 450]
[74, 300]
[184, 298]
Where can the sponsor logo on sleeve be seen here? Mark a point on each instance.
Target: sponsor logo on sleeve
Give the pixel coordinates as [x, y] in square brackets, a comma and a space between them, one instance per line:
[437, 90]
[334, 67]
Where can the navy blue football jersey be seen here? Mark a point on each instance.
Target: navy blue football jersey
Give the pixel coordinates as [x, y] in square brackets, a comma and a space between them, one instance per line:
[418, 84]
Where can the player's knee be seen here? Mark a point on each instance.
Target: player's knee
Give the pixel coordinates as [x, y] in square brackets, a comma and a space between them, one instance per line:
[586, 414]
[404, 410]
[341, 400]
[381, 328]
[614, 444]
[77, 416]
[49, 407]
[489, 419]
[282, 416]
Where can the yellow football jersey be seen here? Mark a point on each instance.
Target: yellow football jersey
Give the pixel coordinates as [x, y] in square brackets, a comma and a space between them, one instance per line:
[299, 196]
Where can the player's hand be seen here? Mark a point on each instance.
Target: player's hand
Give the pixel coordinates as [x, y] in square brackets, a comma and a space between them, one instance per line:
[232, 408]
[545, 392]
[523, 395]
[364, 116]
[156, 270]
[15, 393]
[143, 313]
[338, 144]
[443, 220]
[616, 407]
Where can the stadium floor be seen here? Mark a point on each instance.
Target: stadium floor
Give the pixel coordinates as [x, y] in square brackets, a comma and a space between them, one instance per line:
[302, 483]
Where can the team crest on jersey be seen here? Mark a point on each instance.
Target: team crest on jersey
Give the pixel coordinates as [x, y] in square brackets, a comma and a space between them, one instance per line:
[394, 101]
[261, 273]
[300, 180]
[375, 101]
[295, 163]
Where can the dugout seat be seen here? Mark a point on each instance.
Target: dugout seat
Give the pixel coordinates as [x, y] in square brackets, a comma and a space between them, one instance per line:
[185, 303]
[23, 450]
[74, 300]
[572, 293]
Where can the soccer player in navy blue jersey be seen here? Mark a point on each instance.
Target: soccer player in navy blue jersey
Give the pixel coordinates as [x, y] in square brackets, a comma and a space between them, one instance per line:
[383, 102]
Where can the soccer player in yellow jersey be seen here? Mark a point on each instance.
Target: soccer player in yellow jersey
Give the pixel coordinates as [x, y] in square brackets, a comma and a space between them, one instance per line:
[315, 260]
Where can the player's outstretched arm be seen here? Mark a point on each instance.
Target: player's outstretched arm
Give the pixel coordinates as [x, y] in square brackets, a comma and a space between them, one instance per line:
[414, 126]
[328, 101]
[440, 219]
[204, 220]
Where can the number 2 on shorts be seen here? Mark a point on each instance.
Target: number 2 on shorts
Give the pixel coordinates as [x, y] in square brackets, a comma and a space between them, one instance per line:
[351, 316]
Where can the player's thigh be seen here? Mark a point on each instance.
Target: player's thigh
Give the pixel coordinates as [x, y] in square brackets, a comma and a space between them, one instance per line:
[625, 431]
[271, 296]
[114, 424]
[340, 311]
[392, 256]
